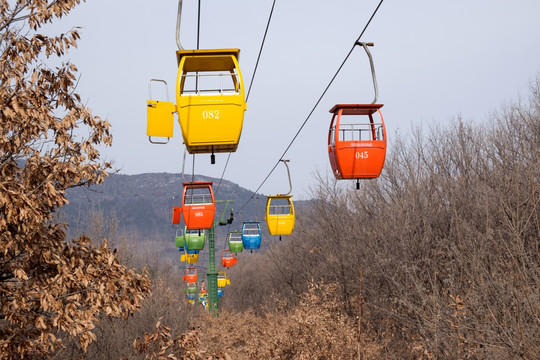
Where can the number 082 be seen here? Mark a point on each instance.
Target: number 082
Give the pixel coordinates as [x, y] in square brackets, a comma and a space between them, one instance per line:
[210, 114]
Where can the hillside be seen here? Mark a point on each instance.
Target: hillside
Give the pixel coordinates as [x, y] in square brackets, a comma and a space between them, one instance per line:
[142, 203]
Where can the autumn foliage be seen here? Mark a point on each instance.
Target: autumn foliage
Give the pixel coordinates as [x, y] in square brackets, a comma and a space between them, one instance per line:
[48, 143]
[436, 259]
[447, 241]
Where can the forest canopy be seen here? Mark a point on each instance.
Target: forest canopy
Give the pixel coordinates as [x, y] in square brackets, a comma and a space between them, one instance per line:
[49, 141]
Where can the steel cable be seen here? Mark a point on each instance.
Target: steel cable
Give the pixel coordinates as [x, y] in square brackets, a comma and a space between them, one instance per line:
[316, 104]
[251, 82]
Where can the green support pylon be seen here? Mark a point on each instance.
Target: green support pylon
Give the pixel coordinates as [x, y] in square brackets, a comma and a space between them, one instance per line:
[212, 272]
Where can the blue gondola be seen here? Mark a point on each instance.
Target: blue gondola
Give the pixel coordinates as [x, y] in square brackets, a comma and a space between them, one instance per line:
[251, 235]
[220, 292]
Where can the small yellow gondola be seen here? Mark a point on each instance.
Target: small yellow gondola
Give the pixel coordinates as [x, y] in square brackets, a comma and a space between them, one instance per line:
[280, 214]
[222, 279]
[189, 258]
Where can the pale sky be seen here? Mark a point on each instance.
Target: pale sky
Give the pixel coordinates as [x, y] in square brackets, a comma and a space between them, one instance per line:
[434, 60]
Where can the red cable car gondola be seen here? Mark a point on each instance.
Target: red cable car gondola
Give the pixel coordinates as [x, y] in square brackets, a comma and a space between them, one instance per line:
[191, 275]
[198, 205]
[357, 148]
[357, 137]
[228, 259]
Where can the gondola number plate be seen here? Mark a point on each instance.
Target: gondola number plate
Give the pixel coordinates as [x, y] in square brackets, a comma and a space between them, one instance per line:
[361, 154]
[210, 114]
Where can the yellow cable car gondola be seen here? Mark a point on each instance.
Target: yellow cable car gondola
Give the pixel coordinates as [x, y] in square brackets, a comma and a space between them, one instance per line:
[210, 99]
[189, 258]
[280, 214]
[280, 211]
[222, 279]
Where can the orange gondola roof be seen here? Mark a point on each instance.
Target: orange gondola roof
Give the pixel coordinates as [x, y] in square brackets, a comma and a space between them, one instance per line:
[357, 109]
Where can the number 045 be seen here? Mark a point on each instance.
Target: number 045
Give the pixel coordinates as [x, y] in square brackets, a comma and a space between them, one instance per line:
[361, 154]
[210, 114]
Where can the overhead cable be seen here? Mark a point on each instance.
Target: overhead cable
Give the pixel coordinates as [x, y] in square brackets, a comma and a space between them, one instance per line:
[316, 104]
[251, 82]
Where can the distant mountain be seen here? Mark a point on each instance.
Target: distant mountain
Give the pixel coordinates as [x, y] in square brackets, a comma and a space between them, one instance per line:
[143, 203]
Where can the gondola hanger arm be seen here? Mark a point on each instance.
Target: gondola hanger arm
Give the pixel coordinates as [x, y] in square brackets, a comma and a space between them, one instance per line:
[288, 174]
[178, 22]
[183, 166]
[374, 77]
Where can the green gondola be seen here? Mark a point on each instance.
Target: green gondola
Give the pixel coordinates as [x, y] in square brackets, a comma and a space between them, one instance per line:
[235, 242]
[179, 240]
[195, 239]
[191, 289]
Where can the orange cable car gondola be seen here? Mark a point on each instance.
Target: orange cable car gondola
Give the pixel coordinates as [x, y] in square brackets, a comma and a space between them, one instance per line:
[198, 205]
[357, 137]
[357, 149]
[228, 259]
[191, 275]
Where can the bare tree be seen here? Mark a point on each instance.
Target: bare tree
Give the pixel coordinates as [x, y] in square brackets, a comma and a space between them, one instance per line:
[448, 239]
[48, 143]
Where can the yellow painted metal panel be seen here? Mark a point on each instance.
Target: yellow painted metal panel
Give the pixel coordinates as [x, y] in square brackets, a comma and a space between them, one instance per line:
[280, 224]
[160, 118]
[192, 258]
[207, 121]
[189, 258]
[208, 52]
[208, 63]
